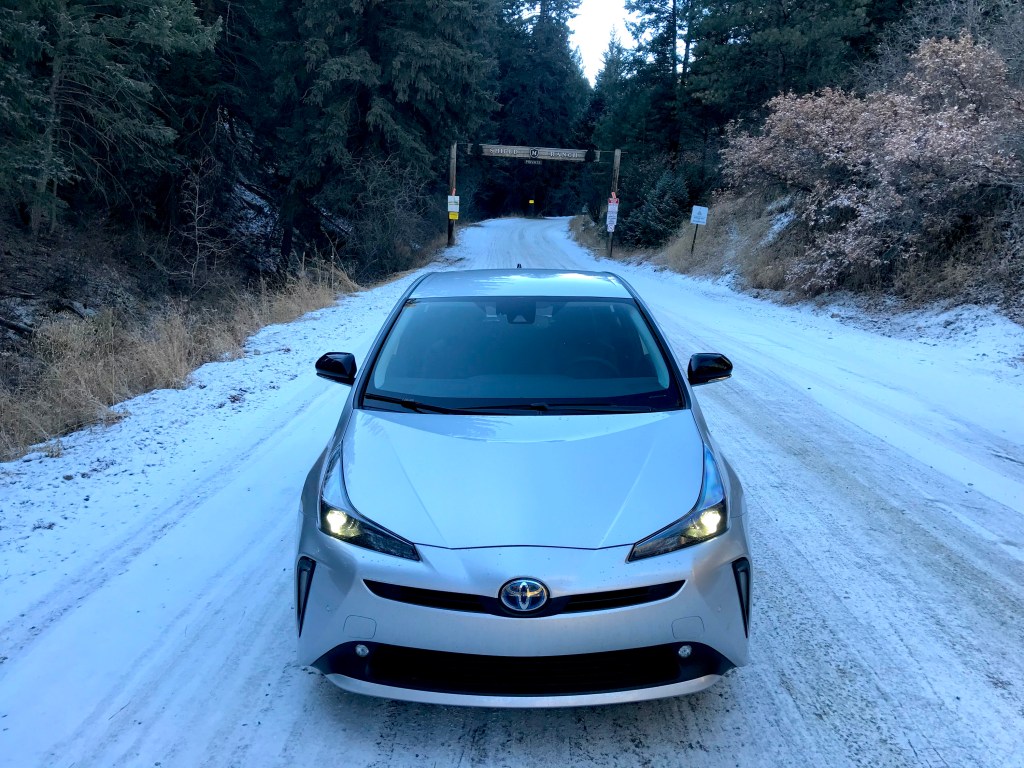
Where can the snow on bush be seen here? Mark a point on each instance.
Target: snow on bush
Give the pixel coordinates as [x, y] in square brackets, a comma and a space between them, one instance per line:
[899, 173]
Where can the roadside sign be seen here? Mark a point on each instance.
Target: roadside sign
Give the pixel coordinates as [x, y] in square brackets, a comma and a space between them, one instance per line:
[453, 215]
[697, 217]
[613, 213]
[453, 204]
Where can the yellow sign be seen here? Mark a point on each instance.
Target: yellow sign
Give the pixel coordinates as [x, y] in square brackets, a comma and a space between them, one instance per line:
[531, 202]
[453, 215]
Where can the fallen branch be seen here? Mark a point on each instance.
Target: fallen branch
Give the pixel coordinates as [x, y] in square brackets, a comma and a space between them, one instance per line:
[23, 330]
[70, 306]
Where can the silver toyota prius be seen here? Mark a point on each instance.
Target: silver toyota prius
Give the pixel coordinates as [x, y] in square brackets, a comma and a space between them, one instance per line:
[521, 505]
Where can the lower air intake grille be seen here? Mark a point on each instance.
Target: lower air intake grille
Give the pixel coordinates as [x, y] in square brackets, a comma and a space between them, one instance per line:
[470, 674]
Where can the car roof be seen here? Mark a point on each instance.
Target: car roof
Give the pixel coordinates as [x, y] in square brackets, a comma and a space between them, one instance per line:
[520, 282]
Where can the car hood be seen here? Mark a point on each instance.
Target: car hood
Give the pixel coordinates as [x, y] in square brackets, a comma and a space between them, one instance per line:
[581, 481]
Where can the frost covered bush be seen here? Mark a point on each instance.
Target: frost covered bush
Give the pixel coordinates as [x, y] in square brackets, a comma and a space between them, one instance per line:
[902, 174]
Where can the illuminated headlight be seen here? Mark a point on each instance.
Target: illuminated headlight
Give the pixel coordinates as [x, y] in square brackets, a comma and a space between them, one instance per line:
[339, 520]
[707, 519]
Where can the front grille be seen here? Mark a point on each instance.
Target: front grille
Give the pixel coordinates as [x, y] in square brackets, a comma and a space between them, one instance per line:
[457, 601]
[470, 674]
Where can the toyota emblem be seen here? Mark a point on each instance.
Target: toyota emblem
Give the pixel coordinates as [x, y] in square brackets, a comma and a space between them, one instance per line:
[523, 595]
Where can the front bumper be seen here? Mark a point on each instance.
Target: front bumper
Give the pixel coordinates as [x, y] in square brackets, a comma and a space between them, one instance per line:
[464, 656]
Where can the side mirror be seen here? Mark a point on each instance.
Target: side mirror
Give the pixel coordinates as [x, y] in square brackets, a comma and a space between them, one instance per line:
[706, 367]
[337, 366]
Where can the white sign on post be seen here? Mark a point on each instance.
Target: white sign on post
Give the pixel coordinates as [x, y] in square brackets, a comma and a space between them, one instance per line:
[699, 215]
[453, 203]
[613, 213]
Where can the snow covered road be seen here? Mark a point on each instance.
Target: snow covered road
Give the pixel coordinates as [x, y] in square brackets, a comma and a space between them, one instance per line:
[146, 609]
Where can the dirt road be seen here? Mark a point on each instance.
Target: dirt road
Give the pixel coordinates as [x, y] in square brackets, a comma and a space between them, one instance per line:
[152, 623]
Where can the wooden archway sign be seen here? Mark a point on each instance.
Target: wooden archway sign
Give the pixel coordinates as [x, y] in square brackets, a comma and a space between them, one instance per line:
[529, 155]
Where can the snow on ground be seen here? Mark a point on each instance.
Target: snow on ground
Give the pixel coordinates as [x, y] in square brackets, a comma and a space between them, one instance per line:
[145, 574]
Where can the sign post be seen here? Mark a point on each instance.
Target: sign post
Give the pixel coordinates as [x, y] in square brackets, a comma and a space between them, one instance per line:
[613, 200]
[451, 195]
[698, 216]
[617, 158]
[613, 217]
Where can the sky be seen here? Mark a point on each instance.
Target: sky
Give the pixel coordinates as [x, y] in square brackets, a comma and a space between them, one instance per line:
[592, 27]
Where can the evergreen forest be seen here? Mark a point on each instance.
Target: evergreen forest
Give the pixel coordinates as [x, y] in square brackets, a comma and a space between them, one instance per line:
[194, 136]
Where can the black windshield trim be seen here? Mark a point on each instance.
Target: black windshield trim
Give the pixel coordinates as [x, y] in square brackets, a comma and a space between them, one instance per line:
[675, 373]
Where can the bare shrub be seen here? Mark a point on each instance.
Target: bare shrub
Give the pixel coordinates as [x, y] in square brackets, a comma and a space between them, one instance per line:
[204, 238]
[997, 23]
[593, 237]
[900, 175]
[388, 217]
[87, 365]
[1010, 266]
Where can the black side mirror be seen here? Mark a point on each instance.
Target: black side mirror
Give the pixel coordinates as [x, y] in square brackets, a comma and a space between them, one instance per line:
[706, 367]
[337, 366]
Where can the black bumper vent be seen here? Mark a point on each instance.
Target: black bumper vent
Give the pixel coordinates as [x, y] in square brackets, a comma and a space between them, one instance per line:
[469, 674]
[457, 601]
[303, 581]
[741, 570]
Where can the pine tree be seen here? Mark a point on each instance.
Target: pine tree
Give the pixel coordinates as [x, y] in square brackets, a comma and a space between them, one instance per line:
[95, 120]
[22, 98]
[658, 67]
[372, 94]
[747, 51]
[402, 76]
[543, 96]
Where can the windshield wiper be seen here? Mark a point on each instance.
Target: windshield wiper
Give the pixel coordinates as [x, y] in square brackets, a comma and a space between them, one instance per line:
[545, 407]
[538, 407]
[412, 405]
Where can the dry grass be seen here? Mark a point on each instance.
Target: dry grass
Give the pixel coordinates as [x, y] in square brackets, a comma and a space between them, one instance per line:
[588, 234]
[594, 237]
[744, 237]
[86, 366]
[983, 268]
[741, 237]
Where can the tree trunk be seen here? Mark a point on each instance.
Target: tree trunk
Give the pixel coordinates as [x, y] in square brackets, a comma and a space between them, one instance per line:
[686, 41]
[22, 330]
[42, 200]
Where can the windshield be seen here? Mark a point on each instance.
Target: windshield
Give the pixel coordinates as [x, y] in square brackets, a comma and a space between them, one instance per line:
[521, 354]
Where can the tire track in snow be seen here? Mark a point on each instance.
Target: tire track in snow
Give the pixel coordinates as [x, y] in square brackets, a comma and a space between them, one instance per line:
[907, 610]
[972, 578]
[115, 559]
[194, 646]
[205, 680]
